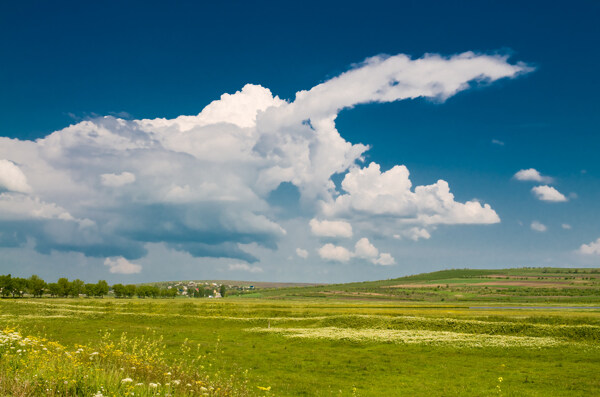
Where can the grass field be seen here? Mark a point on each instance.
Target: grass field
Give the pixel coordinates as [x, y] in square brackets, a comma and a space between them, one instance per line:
[357, 339]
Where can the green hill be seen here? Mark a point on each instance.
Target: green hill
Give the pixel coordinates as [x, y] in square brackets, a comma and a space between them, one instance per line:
[535, 285]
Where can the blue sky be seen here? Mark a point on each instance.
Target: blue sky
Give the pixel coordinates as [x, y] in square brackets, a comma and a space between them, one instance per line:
[72, 64]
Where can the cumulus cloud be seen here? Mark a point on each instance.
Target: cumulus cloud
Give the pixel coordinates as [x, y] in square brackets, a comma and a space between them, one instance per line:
[531, 174]
[336, 253]
[592, 248]
[566, 226]
[389, 194]
[548, 193]
[385, 259]
[363, 249]
[12, 178]
[302, 253]
[244, 267]
[326, 228]
[116, 180]
[538, 226]
[121, 265]
[201, 183]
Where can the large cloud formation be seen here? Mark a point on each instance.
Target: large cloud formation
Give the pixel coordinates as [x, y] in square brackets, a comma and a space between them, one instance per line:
[107, 187]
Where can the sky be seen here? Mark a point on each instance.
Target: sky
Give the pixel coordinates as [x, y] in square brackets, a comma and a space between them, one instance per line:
[309, 142]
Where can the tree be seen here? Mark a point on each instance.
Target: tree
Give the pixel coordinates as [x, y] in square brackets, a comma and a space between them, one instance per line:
[54, 289]
[64, 287]
[90, 289]
[36, 286]
[142, 291]
[119, 290]
[153, 291]
[130, 290]
[6, 285]
[19, 286]
[101, 288]
[77, 287]
[222, 290]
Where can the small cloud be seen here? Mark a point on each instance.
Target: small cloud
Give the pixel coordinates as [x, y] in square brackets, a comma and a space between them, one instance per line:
[385, 259]
[566, 226]
[532, 174]
[330, 228]
[116, 180]
[121, 265]
[302, 253]
[336, 253]
[121, 115]
[548, 193]
[573, 195]
[592, 248]
[364, 249]
[497, 142]
[538, 226]
[245, 268]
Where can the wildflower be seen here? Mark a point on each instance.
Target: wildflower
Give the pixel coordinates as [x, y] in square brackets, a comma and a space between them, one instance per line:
[264, 388]
[126, 380]
[139, 384]
[152, 385]
[176, 382]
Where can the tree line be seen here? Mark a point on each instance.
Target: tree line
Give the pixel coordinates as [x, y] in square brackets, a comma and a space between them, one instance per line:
[63, 288]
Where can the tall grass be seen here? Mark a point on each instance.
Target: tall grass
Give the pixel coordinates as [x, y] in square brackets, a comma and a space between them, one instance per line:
[34, 366]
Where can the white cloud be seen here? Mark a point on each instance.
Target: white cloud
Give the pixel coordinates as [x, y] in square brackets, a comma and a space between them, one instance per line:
[12, 178]
[121, 265]
[385, 259]
[116, 180]
[371, 192]
[302, 253]
[548, 193]
[566, 226]
[332, 252]
[202, 182]
[244, 267]
[592, 248]
[364, 249]
[326, 228]
[538, 226]
[531, 174]
[497, 142]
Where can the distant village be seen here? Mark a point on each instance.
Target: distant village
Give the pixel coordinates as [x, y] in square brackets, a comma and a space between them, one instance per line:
[34, 286]
[199, 289]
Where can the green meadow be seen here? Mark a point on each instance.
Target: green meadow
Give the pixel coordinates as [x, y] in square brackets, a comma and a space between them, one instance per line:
[520, 332]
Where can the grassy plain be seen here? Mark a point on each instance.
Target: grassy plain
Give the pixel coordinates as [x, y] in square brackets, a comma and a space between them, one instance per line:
[363, 339]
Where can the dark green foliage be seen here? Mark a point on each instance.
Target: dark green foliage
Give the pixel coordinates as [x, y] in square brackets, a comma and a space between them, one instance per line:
[36, 286]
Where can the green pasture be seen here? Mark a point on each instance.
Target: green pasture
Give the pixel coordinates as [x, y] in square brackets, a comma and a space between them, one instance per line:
[327, 346]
